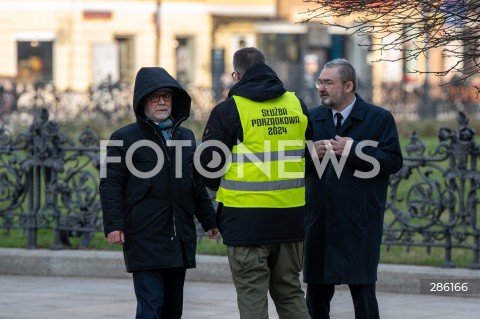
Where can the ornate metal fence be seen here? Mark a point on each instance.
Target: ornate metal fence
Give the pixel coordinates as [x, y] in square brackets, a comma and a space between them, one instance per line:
[437, 207]
[49, 182]
[109, 100]
[411, 101]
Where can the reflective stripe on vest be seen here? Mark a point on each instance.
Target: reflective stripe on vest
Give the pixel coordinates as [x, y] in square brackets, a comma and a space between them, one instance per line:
[268, 167]
[270, 156]
[263, 186]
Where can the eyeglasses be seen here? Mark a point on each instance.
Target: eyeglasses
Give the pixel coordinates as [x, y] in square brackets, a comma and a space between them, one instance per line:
[154, 98]
[327, 84]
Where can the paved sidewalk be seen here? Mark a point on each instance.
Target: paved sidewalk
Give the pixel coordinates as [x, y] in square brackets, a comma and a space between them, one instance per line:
[40, 297]
[110, 264]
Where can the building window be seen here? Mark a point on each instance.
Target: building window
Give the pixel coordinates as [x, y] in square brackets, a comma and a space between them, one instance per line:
[34, 62]
[126, 58]
[283, 52]
[185, 60]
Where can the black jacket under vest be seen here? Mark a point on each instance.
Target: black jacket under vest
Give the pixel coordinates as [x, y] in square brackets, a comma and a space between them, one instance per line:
[250, 226]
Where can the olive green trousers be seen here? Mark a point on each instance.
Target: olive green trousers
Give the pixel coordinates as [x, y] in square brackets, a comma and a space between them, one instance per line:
[274, 268]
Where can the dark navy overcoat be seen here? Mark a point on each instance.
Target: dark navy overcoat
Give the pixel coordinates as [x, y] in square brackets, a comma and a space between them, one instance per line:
[344, 221]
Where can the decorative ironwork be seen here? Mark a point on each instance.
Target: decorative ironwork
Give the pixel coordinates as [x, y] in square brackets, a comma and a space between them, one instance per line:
[406, 99]
[439, 206]
[108, 100]
[46, 182]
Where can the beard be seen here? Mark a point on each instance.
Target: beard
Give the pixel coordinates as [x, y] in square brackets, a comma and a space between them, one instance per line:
[333, 101]
[326, 101]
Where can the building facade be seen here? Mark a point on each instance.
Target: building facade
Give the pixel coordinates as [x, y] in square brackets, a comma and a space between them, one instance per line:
[77, 44]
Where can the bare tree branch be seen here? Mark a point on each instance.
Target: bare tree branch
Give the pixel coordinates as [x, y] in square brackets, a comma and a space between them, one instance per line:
[410, 26]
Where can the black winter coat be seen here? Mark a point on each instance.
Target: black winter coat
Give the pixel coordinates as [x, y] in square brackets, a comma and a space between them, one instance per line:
[344, 221]
[155, 213]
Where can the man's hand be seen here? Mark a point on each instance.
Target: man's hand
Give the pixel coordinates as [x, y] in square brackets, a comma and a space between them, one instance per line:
[116, 237]
[322, 147]
[339, 144]
[213, 233]
[334, 146]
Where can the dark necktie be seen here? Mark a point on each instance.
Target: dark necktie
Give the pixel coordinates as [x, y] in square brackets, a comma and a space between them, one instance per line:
[339, 121]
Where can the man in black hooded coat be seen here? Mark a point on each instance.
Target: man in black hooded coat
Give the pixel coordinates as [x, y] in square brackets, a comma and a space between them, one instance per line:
[151, 192]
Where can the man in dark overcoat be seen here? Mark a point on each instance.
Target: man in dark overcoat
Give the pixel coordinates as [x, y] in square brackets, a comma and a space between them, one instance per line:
[355, 150]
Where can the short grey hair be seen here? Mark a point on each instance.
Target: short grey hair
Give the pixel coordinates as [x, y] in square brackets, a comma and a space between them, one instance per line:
[245, 58]
[345, 69]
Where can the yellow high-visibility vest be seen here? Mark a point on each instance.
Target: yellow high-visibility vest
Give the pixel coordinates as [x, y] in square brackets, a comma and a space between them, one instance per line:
[268, 168]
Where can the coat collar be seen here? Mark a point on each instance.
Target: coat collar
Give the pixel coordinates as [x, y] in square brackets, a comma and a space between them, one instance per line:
[324, 114]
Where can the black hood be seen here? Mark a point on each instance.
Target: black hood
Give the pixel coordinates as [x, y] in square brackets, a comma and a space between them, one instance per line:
[151, 79]
[260, 83]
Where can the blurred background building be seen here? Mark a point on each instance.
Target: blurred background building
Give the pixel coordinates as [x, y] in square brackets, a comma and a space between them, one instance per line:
[78, 45]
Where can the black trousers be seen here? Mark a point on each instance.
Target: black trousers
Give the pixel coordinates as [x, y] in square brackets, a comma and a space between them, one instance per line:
[159, 293]
[364, 301]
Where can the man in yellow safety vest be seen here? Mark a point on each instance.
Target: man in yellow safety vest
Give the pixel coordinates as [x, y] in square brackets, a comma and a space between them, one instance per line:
[253, 154]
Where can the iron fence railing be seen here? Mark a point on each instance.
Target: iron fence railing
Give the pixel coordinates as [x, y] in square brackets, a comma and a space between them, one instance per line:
[410, 101]
[108, 100]
[438, 207]
[112, 101]
[49, 182]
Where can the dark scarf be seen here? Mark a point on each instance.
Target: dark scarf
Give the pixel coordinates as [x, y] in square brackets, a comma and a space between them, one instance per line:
[166, 127]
